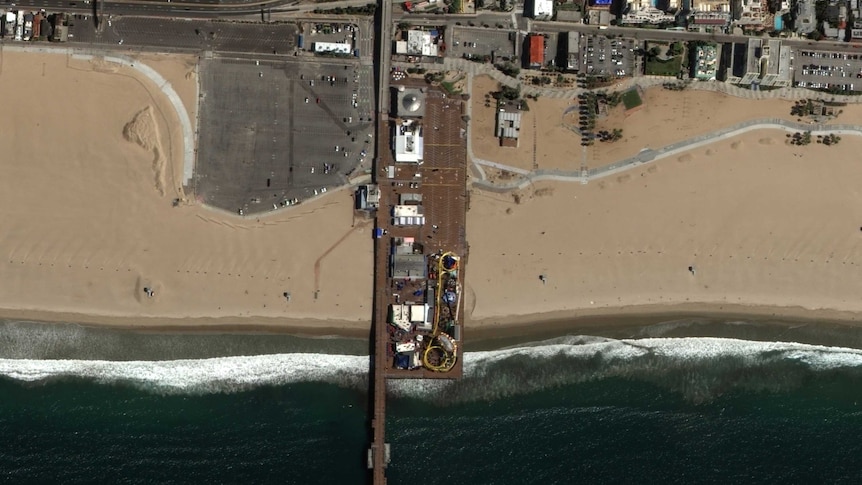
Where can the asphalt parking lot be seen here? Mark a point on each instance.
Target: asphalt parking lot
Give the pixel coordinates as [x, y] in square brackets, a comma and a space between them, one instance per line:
[260, 38]
[815, 69]
[275, 133]
[603, 56]
[486, 41]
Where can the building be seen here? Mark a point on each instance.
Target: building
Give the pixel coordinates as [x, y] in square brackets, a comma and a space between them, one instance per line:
[406, 260]
[508, 125]
[367, 197]
[709, 20]
[409, 199]
[542, 9]
[408, 215]
[569, 16]
[411, 102]
[406, 316]
[535, 51]
[706, 63]
[332, 47]
[408, 267]
[647, 15]
[599, 15]
[761, 62]
[37, 25]
[573, 51]
[418, 43]
[407, 141]
[753, 15]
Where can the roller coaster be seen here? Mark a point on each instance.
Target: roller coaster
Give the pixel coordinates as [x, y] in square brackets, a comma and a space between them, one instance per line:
[441, 353]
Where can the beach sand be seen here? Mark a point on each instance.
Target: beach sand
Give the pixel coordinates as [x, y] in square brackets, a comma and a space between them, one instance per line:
[547, 140]
[768, 227]
[92, 170]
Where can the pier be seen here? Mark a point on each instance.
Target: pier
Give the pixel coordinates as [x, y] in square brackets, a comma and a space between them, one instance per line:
[420, 246]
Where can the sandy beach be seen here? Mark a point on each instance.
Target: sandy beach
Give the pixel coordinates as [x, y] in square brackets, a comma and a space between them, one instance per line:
[769, 228]
[550, 140]
[89, 222]
[763, 224]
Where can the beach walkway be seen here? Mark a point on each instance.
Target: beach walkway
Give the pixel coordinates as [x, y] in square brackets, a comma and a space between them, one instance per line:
[652, 155]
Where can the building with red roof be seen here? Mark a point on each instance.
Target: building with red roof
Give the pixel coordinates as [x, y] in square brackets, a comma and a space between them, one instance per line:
[536, 50]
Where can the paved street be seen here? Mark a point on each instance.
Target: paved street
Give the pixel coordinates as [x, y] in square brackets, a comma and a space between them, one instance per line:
[182, 8]
[189, 34]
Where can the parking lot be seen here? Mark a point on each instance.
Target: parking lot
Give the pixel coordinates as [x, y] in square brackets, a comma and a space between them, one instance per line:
[603, 56]
[482, 42]
[828, 70]
[261, 38]
[273, 134]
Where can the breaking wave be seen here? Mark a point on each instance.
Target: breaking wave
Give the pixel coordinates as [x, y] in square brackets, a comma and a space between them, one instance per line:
[699, 368]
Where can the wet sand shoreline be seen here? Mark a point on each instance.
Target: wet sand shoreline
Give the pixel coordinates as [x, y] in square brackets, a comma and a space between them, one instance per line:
[822, 327]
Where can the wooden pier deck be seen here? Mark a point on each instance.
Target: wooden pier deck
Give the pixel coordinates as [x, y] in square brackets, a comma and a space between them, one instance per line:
[441, 180]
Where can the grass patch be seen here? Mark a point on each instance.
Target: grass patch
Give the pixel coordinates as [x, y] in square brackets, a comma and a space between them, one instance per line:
[450, 88]
[631, 99]
[656, 67]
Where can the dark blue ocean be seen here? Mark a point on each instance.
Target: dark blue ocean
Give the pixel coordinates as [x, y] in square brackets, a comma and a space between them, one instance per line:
[679, 402]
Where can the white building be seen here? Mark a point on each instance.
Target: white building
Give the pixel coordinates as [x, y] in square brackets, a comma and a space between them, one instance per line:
[648, 15]
[335, 47]
[419, 43]
[408, 142]
[405, 316]
[408, 215]
[543, 9]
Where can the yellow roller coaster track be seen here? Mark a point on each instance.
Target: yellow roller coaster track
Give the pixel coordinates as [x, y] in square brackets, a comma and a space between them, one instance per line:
[449, 360]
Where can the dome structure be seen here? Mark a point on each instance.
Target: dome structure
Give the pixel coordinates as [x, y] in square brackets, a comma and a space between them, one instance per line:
[411, 103]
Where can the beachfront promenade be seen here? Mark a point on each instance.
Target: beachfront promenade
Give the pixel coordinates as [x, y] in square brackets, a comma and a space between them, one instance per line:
[651, 155]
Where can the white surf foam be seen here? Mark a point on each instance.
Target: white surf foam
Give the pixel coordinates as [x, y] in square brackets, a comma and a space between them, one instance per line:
[488, 374]
[224, 374]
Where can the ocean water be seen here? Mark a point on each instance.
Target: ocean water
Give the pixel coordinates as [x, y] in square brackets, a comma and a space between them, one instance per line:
[675, 402]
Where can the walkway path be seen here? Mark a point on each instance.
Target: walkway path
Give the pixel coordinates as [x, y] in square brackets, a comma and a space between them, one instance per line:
[152, 75]
[650, 155]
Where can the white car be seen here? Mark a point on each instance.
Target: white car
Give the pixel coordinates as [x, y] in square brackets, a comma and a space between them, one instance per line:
[306, 100]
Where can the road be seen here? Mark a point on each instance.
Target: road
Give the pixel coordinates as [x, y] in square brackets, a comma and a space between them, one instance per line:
[506, 20]
[183, 8]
